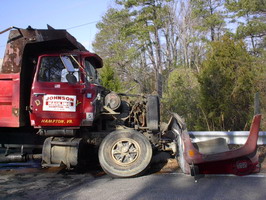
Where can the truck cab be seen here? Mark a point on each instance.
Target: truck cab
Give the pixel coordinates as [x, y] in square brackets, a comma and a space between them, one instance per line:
[65, 90]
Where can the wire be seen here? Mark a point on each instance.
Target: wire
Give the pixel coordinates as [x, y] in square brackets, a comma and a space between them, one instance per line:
[82, 25]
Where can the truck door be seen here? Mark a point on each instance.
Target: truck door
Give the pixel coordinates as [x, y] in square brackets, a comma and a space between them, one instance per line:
[56, 96]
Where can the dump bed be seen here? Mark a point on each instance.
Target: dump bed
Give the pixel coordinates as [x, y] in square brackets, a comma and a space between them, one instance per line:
[16, 74]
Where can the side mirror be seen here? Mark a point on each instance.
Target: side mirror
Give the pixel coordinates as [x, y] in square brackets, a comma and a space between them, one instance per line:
[71, 78]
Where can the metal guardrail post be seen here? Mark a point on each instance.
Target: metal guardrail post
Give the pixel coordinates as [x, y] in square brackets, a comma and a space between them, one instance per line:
[257, 104]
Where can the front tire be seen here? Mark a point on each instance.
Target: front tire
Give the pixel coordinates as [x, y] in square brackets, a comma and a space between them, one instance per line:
[125, 153]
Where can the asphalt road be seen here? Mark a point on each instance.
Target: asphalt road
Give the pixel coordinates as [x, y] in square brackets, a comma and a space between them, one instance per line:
[53, 184]
[170, 186]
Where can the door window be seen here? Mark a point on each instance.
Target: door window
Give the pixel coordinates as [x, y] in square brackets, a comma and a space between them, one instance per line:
[52, 69]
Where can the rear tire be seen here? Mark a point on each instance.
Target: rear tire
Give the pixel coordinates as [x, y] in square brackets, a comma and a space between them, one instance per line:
[125, 153]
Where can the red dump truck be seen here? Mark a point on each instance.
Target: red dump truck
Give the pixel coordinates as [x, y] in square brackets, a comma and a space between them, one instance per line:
[51, 97]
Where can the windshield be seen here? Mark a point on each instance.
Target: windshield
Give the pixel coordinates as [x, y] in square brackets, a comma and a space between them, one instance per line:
[92, 75]
[55, 68]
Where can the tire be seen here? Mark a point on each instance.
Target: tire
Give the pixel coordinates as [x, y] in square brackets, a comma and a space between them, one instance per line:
[125, 153]
[153, 113]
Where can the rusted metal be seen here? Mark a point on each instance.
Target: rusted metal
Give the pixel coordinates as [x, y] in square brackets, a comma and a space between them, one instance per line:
[19, 157]
[8, 29]
[35, 41]
[12, 158]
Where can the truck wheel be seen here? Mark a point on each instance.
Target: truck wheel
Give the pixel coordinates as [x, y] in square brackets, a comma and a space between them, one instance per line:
[153, 113]
[125, 153]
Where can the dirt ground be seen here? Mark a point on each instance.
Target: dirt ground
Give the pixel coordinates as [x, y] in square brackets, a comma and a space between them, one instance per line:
[262, 158]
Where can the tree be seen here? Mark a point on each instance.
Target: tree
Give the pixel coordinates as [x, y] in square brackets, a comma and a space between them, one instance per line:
[109, 79]
[227, 86]
[147, 22]
[182, 96]
[251, 18]
[210, 15]
[261, 84]
[191, 40]
[120, 51]
[170, 37]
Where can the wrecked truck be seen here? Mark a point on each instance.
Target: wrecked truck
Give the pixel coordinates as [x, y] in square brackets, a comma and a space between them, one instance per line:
[51, 98]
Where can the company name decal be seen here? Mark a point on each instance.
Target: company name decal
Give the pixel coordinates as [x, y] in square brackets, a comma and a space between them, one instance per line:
[62, 103]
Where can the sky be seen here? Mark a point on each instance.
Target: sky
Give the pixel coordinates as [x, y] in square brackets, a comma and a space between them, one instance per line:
[60, 14]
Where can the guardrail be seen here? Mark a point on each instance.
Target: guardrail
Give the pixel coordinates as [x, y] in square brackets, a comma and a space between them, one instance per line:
[234, 137]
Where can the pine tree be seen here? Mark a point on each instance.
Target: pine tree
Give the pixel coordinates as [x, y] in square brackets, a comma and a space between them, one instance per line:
[210, 16]
[109, 79]
[148, 20]
[227, 85]
[251, 18]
